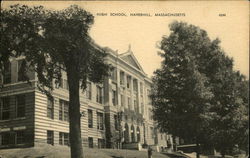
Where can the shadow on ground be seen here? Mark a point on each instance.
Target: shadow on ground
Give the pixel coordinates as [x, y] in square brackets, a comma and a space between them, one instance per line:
[175, 155]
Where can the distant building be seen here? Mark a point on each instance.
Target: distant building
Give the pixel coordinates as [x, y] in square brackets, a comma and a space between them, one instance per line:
[117, 113]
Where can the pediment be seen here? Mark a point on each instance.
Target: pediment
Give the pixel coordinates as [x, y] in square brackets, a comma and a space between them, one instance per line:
[131, 60]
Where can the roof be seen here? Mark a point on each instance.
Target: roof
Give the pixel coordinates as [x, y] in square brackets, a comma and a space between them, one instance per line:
[129, 58]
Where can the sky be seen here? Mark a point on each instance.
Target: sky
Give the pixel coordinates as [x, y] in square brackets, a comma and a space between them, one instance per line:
[144, 32]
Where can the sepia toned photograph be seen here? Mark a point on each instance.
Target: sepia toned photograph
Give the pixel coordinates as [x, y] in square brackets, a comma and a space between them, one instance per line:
[124, 79]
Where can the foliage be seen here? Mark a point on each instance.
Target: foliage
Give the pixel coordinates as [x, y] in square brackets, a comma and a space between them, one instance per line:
[52, 42]
[195, 93]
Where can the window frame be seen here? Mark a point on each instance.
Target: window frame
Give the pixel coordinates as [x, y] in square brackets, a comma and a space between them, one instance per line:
[116, 122]
[90, 118]
[99, 94]
[50, 138]
[3, 109]
[114, 97]
[90, 142]
[20, 106]
[50, 101]
[64, 139]
[100, 121]
[63, 110]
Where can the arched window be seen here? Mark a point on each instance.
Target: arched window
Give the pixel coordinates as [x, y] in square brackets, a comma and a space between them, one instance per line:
[132, 133]
[126, 133]
[138, 134]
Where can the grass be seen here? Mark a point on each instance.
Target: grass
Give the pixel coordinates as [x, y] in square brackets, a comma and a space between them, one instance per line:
[63, 152]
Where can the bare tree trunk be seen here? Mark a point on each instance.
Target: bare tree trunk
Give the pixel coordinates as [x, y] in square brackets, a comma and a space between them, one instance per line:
[174, 144]
[223, 154]
[197, 150]
[76, 149]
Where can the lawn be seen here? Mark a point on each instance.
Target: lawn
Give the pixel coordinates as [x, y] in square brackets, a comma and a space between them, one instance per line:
[63, 152]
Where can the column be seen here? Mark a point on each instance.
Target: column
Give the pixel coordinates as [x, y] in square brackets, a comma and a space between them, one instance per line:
[118, 88]
[139, 96]
[132, 94]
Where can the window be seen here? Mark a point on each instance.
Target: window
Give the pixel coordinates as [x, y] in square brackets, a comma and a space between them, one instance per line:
[64, 110]
[50, 137]
[20, 137]
[20, 106]
[6, 138]
[50, 107]
[90, 118]
[116, 122]
[129, 103]
[64, 138]
[100, 123]
[121, 78]
[21, 64]
[122, 100]
[128, 82]
[114, 97]
[152, 132]
[5, 108]
[91, 143]
[99, 94]
[7, 73]
[88, 91]
[101, 143]
[16, 137]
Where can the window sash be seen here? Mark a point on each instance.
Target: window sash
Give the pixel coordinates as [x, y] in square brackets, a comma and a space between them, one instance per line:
[60, 138]
[99, 94]
[90, 118]
[66, 111]
[50, 108]
[6, 138]
[20, 137]
[64, 138]
[114, 97]
[5, 108]
[100, 123]
[90, 141]
[20, 106]
[63, 110]
[50, 137]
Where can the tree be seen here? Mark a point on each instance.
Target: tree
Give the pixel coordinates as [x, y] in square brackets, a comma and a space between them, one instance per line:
[52, 42]
[181, 92]
[195, 87]
[230, 124]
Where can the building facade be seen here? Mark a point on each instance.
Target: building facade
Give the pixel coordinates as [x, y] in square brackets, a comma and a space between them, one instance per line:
[115, 114]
